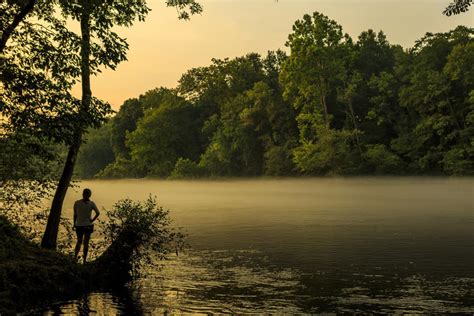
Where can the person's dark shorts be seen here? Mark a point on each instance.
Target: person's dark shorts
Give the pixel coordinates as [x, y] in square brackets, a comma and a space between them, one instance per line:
[81, 230]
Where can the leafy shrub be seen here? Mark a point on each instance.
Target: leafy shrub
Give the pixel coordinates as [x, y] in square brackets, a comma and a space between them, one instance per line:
[186, 168]
[381, 160]
[138, 233]
[216, 160]
[278, 161]
[457, 161]
[161, 169]
[329, 153]
[121, 168]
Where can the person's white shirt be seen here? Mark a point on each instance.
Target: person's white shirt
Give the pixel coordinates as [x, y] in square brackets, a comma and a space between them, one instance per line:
[83, 211]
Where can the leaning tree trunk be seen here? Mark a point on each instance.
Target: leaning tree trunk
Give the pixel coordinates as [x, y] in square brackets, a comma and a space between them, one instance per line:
[50, 236]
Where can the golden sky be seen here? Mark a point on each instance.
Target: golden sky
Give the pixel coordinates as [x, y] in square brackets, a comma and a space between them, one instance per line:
[163, 47]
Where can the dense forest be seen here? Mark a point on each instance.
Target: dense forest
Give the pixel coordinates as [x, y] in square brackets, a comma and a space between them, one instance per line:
[332, 106]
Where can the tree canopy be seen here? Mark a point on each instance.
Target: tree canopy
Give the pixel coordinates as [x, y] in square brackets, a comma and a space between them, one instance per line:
[333, 105]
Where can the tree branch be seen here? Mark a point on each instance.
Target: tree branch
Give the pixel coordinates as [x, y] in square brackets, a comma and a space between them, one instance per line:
[18, 18]
[457, 7]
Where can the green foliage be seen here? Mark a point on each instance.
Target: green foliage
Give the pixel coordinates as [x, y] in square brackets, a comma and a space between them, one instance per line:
[216, 161]
[186, 169]
[120, 168]
[278, 161]
[163, 135]
[382, 161]
[137, 232]
[131, 111]
[125, 121]
[185, 8]
[320, 53]
[458, 161]
[330, 153]
[373, 54]
[96, 153]
[39, 65]
[333, 106]
[238, 140]
[436, 98]
[244, 113]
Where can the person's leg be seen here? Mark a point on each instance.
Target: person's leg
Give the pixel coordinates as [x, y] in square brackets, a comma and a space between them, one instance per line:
[80, 235]
[87, 237]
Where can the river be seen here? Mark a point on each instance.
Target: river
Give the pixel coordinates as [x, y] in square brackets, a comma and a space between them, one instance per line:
[382, 245]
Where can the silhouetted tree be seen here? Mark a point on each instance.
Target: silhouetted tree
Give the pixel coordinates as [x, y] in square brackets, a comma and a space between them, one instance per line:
[107, 49]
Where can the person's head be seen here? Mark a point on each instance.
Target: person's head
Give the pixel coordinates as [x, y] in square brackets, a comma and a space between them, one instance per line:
[86, 194]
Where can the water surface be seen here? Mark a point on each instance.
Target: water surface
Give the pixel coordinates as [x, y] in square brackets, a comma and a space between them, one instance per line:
[303, 246]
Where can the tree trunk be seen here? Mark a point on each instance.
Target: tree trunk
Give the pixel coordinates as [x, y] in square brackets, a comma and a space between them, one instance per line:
[322, 97]
[18, 18]
[51, 233]
[50, 236]
[325, 107]
[354, 122]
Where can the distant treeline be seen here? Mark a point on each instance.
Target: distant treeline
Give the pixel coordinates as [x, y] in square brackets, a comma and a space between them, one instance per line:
[333, 106]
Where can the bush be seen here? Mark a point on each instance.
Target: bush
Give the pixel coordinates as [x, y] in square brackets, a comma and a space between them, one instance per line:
[381, 160]
[186, 169]
[329, 153]
[278, 162]
[161, 169]
[457, 161]
[137, 233]
[216, 161]
[121, 168]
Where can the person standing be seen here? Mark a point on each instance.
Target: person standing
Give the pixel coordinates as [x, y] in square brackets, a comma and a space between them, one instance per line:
[83, 223]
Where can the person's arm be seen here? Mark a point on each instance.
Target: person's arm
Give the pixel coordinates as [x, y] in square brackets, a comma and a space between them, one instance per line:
[75, 216]
[96, 211]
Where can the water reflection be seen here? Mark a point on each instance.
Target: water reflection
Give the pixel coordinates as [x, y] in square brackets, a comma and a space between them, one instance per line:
[247, 282]
[222, 282]
[305, 246]
[116, 301]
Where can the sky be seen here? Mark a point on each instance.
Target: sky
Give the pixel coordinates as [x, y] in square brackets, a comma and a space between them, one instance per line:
[162, 48]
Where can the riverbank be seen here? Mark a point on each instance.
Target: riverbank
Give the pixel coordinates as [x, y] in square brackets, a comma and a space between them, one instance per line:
[31, 276]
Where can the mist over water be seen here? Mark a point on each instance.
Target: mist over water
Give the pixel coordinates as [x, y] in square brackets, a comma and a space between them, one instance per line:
[304, 245]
